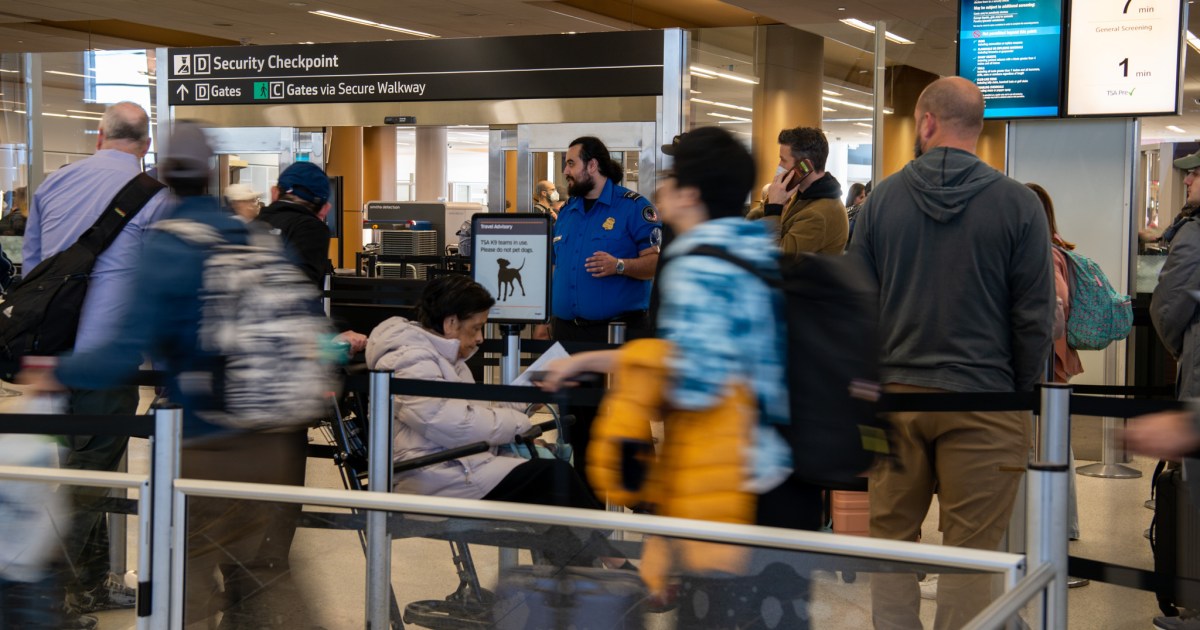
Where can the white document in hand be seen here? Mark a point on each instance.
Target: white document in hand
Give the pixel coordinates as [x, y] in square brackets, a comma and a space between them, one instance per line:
[555, 352]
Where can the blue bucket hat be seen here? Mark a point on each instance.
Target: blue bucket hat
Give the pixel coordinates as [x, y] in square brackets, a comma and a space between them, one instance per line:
[306, 181]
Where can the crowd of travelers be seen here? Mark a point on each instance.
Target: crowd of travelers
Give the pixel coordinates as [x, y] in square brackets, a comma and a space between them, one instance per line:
[970, 275]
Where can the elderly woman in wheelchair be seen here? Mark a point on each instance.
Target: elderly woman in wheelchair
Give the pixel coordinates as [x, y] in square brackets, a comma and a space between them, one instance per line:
[447, 331]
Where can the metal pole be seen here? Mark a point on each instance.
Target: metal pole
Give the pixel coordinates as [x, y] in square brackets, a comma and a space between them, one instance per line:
[616, 332]
[1047, 500]
[879, 100]
[510, 363]
[1112, 457]
[510, 367]
[145, 548]
[178, 558]
[379, 543]
[118, 539]
[164, 470]
[616, 336]
[35, 160]
[327, 301]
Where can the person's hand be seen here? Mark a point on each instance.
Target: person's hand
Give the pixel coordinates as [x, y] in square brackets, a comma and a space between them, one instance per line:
[541, 331]
[1167, 435]
[39, 382]
[357, 341]
[777, 191]
[601, 265]
[559, 373]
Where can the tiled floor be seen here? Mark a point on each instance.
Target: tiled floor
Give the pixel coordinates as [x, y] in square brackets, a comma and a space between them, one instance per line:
[328, 566]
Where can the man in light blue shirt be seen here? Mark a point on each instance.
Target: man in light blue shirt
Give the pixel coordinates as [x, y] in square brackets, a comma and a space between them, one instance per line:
[63, 208]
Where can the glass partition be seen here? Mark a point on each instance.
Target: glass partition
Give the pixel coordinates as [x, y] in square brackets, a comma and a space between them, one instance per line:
[14, 158]
[449, 572]
[239, 573]
[733, 84]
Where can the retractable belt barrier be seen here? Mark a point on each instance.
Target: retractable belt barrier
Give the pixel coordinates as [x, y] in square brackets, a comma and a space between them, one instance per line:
[41, 424]
[119, 426]
[1093, 400]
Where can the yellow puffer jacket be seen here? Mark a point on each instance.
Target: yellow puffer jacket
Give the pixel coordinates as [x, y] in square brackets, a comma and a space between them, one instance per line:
[699, 473]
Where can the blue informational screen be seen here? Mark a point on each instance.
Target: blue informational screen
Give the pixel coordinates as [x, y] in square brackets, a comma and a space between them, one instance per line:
[1013, 52]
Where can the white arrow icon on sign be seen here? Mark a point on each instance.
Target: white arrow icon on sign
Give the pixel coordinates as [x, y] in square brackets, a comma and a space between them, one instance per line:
[182, 92]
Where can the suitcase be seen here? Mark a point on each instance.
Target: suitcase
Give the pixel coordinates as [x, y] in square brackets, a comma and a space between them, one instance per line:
[1175, 540]
[558, 598]
[851, 512]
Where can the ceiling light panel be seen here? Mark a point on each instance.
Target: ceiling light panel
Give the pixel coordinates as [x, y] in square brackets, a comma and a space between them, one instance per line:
[380, 25]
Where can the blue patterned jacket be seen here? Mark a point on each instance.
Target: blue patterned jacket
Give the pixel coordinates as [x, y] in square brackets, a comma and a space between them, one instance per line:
[727, 326]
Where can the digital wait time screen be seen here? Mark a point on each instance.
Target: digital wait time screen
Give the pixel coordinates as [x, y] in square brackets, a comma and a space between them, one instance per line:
[510, 257]
[1124, 57]
[1013, 51]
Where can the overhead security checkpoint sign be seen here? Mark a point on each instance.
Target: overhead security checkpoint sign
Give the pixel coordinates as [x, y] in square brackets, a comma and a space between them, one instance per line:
[510, 257]
[537, 66]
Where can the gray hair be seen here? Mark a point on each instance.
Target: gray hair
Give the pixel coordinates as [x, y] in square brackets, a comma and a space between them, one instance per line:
[125, 121]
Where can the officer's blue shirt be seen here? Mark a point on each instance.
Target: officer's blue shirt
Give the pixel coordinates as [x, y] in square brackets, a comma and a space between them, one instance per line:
[621, 223]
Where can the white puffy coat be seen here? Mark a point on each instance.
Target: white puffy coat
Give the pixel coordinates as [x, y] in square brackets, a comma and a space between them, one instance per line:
[422, 425]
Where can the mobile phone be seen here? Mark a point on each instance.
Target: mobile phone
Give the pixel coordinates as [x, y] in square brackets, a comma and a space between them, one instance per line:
[801, 170]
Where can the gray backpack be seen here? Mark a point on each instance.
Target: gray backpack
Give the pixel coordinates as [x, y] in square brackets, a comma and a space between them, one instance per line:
[257, 317]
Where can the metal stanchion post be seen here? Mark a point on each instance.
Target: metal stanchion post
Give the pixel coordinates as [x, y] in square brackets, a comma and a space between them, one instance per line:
[1047, 500]
[616, 336]
[145, 551]
[379, 479]
[616, 332]
[510, 367]
[117, 531]
[327, 301]
[510, 364]
[164, 470]
[1112, 456]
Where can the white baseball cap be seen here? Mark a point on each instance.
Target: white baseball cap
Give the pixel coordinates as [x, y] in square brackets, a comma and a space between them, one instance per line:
[240, 192]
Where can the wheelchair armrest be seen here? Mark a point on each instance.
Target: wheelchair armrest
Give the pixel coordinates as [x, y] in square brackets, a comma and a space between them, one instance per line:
[479, 447]
[439, 457]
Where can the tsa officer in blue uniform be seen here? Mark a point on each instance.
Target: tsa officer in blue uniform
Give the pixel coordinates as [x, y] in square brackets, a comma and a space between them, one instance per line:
[606, 243]
[605, 249]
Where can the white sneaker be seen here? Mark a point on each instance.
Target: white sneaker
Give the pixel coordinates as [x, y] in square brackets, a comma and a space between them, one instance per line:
[929, 587]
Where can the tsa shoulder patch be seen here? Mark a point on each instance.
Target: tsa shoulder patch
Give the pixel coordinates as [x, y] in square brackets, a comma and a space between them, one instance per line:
[650, 214]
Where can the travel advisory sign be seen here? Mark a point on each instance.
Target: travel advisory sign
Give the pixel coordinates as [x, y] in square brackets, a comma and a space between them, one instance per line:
[510, 256]
[582, 65]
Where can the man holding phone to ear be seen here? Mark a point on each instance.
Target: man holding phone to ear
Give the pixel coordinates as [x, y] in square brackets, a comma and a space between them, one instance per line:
[803, 200]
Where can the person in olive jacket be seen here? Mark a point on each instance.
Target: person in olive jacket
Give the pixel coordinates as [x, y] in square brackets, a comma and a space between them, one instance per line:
[803, 201]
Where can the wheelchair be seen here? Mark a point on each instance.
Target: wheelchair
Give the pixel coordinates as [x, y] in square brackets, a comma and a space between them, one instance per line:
[470, 605]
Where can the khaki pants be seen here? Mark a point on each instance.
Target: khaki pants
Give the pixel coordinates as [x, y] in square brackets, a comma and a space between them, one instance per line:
[974, 461]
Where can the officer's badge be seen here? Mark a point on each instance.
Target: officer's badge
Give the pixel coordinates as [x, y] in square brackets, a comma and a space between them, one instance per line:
[650, 214]
[609, 223]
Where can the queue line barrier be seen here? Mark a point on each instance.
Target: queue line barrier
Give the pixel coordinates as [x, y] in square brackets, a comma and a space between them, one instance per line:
[160, 490]
[154, 489]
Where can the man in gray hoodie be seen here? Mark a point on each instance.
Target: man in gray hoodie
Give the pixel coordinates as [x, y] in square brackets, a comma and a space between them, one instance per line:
[966, 292]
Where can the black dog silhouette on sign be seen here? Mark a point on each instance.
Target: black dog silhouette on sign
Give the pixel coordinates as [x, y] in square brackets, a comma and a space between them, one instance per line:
[506, 276]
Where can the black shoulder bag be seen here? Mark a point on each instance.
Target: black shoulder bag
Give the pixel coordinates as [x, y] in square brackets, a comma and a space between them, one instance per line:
[40, 315]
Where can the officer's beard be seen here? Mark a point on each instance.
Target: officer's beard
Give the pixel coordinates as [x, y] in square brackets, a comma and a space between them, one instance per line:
[581, 187]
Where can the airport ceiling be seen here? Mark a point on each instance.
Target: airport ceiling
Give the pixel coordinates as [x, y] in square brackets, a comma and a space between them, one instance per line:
[75, 25]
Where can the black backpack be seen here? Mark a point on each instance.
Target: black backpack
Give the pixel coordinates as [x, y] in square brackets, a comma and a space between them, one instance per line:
[40, 315]
[836, 432]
